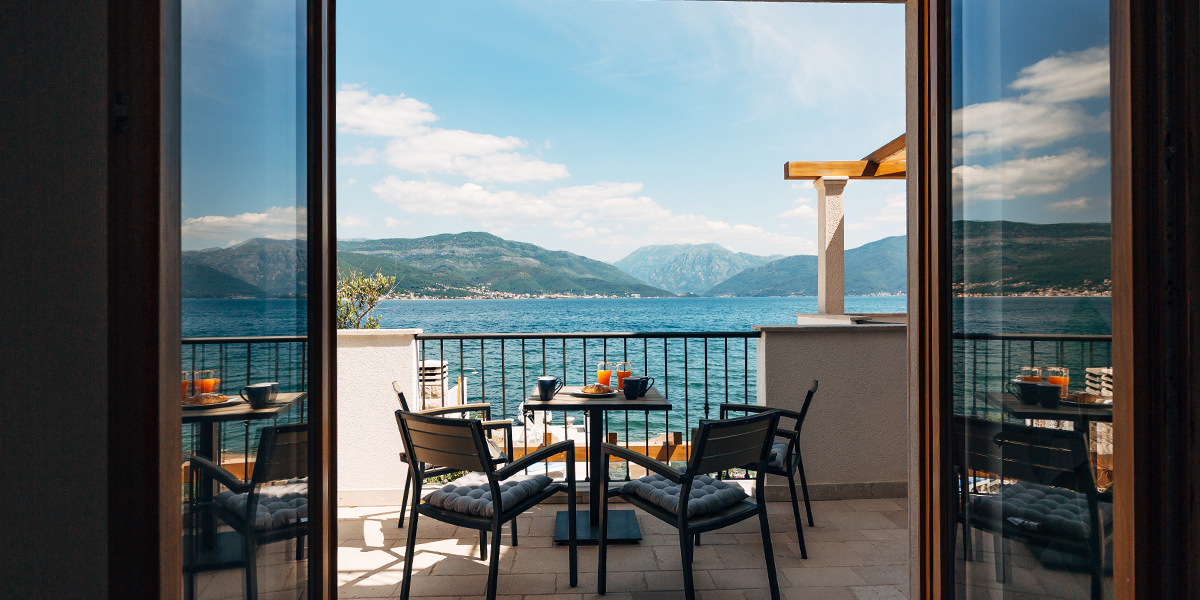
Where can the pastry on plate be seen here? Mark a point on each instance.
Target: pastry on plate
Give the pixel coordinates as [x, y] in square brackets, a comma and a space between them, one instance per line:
[597, 388]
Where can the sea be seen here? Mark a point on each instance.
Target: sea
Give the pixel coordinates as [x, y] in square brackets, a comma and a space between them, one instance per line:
[697, 375]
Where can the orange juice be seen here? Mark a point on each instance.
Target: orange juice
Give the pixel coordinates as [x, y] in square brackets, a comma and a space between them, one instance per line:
[603, 376]
[1059, 381]
[207, 386]
[1031, 378]
[185, 388]
[621, 375]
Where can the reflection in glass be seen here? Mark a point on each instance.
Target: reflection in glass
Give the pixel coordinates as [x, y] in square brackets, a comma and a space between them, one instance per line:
[244, 187]
[1030, 175]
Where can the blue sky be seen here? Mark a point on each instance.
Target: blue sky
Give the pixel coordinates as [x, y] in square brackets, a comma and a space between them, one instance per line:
[601, 126]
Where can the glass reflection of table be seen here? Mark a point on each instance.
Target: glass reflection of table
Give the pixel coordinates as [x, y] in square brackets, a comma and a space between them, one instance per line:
[220, 551]
[622, 524]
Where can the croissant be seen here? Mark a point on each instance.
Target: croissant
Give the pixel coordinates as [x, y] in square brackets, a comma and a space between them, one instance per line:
[596, 388]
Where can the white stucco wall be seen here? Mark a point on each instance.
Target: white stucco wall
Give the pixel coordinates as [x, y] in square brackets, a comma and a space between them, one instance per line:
[855, 439]
[369, 471]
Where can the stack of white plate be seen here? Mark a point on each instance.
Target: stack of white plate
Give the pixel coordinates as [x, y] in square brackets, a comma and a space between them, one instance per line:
[1099, 381]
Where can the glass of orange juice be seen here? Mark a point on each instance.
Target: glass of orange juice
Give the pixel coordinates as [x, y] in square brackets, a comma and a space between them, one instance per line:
[624, 370]
[208, 381]
[1032, 374]
[186, 380]
[604, 372]
[1060, 376]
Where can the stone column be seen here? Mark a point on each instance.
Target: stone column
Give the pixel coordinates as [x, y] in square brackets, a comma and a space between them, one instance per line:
[831, 249]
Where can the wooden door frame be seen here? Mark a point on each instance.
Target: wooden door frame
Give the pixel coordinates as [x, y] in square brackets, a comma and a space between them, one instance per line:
[1156, 296]
[144, 351]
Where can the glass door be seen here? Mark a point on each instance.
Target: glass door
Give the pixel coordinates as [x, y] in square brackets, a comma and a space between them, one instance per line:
[1028, 468]
[246, 373]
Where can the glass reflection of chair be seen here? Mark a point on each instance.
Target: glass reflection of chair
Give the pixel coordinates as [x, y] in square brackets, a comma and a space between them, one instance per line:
[486, 497]
[273, 505]
[1046, 497]
[786, 460]
[711, 503]
[461, 410]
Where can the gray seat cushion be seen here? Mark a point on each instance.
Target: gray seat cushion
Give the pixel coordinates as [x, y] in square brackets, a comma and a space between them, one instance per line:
[1046, 510]
[779, 450]
[708, 495]
[472, 495]
[279, 506]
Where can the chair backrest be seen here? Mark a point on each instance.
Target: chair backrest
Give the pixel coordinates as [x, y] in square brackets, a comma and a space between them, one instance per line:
[732, 443]
[453, 443]
[973, 446]
[1052, 457]
[804, 408]
[400, 396]
[282, 453]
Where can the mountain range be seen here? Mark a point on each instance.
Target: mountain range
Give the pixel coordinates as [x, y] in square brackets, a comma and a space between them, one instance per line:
[990, 257]
[688, 268]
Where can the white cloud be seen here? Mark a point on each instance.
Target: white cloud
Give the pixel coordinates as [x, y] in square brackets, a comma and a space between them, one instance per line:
[277, 222]
[1073, 205]
[1046, 113]
[394, 222]
[352, 221]
[800, 212]
[593, 212]
[390, 116]
[1024, 176]
[1066, 77]
[416, 147]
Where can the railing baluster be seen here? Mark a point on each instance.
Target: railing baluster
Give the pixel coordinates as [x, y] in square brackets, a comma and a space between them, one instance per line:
[503, 383]
[482, 370]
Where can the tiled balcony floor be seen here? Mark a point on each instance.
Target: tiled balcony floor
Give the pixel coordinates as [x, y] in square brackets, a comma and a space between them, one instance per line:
[858, 550]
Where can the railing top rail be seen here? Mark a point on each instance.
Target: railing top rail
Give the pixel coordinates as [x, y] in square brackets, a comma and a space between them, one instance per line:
[256, 339]
[1034, 337]
[593, 335]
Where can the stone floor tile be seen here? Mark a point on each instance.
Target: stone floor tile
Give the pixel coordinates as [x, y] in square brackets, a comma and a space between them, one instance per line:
[822, 577]
[884, 575]
[878, 592]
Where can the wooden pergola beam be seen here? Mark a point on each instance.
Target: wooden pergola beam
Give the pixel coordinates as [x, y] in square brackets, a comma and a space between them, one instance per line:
[854, 169]
[887, 151]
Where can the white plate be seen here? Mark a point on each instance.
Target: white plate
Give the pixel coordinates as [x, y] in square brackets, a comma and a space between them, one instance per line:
[225, 403]
[587, 395]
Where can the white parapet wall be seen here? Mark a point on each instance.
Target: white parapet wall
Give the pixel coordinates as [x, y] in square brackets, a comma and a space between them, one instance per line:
[368, 444]
[855, 438]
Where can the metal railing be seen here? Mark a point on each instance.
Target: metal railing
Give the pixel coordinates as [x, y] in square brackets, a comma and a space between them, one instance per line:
[985, 361]
[694, 371]
[245, 360]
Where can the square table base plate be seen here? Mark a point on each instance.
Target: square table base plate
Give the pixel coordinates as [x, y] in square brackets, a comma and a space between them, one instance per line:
[622, 527]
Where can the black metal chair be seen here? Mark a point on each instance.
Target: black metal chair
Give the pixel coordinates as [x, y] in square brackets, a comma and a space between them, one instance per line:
[1047, 494]
[711, 503]
[786, 460]
[462, 411]
[273, 505]
[487, 497]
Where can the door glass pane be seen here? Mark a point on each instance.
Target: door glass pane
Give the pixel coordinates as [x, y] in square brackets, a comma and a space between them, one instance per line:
[1031, 435]
[244, 375]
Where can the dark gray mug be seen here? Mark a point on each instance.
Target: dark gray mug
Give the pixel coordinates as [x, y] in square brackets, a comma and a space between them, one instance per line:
[548, 386]
[633, 387]
[257, 394]
[1025, 391]
[1049, 394]
[647, 383]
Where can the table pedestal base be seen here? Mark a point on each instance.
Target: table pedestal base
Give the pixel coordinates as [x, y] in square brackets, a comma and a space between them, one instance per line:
[622, 527]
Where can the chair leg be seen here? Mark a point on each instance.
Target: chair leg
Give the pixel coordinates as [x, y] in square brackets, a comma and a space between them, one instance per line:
[572, 541]
[685, 552]
[796, 515]
[409, 550]
[404, 499]
[602, 566]
[804, 487]
[514, 532]
[772, 577]
[1001, 547]
[251, 569]
[482, 544]
[697, 542]
[494, 563]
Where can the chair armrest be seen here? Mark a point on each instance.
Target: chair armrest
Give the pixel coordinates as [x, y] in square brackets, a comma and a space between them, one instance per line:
[486, 409]
[502, 424]
[667, 471]
[529, 459]
[787, 433]
[217, 472]
[1105, 496]
[508, 435]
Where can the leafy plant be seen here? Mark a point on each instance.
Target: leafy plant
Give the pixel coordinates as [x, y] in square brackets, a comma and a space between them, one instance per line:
[357, 296]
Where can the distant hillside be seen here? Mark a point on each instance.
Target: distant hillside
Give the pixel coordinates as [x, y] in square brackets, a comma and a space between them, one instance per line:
[485, 260]
[200, 281]
[875, 268]
[1006, 258]
[277, 268]
[688, 268]
[409, 279]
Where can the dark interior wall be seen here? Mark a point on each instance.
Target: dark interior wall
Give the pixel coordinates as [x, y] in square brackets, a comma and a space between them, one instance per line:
[53, 311]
